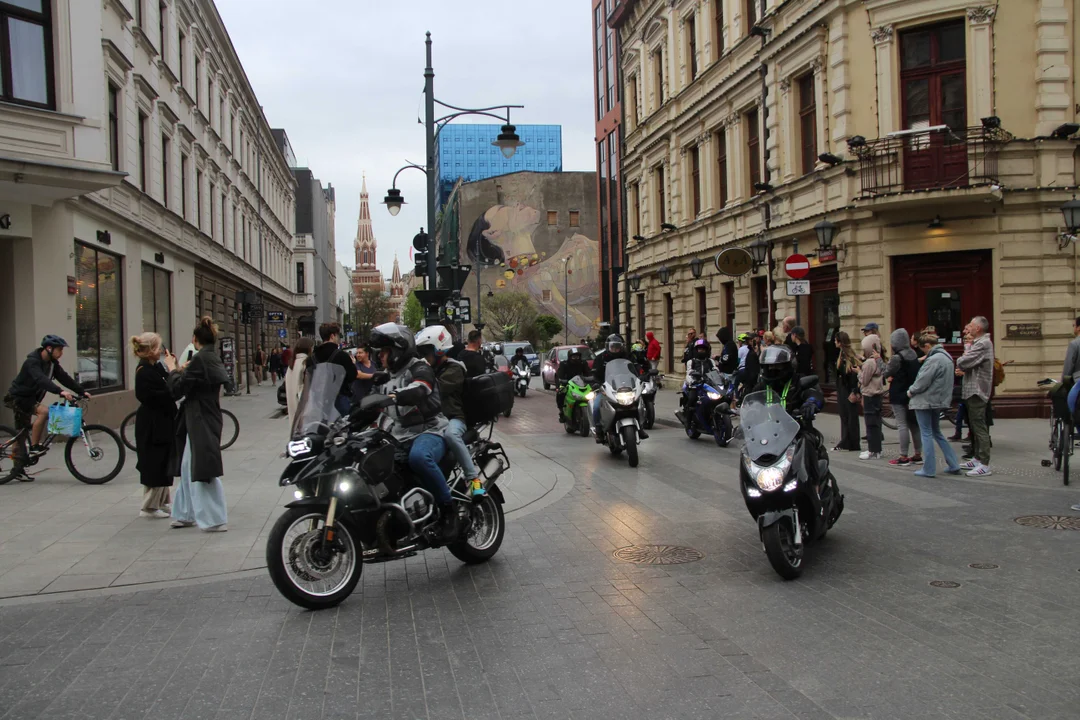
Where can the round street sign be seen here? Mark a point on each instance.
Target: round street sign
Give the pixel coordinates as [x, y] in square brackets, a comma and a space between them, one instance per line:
[734, 262]
[797, 266]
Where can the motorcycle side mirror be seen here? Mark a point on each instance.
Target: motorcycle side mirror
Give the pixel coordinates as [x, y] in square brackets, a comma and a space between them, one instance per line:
[810, 381]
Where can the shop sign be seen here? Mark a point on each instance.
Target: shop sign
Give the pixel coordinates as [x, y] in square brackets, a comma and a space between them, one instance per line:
[73, 286]
[824, 256]
[798, 287]
[276, 317]
[1029, 331]
[734, 262]
[228, 355]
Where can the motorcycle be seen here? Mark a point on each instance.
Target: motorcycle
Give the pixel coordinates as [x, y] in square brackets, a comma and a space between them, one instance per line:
[712, 412]
[620, 409]
[522, 376]
[793, 504]
[648, 399]
[357, 502]
[575, 405]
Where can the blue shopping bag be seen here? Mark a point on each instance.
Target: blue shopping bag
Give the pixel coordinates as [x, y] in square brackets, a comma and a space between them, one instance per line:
[64, 419]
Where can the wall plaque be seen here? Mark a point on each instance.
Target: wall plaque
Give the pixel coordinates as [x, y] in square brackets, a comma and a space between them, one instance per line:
[1029, 331]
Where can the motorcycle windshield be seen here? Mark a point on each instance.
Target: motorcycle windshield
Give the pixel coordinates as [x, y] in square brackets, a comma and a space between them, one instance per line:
[620, 374]
[717, 380]
[315, 411]
[767, 427]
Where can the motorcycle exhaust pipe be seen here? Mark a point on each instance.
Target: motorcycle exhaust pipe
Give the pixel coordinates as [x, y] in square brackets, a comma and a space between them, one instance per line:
[491, 477]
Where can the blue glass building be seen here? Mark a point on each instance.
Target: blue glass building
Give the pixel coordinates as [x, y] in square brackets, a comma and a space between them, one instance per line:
[466, 151]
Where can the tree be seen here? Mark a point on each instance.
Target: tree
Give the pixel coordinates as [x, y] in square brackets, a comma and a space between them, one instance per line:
[549, 326]
[371, 309]
[509, 314]
[412, 314]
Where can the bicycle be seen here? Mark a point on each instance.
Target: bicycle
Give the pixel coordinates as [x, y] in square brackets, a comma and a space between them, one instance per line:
[230, 430]
[1061, 430]
[100, 444]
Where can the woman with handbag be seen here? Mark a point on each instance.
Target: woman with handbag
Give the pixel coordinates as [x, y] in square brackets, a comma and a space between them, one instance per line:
[155, 424]
[200, 496]
[847, 393]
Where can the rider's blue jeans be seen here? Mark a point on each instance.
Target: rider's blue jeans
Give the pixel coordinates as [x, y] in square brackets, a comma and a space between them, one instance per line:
[424, 456]
[1073, 393]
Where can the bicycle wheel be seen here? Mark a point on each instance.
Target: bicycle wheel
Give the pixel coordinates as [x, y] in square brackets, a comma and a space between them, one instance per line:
[96, 455]
[1057, 443]
[9, 446]
[230, 429]
[887, 417]
[127, 431]
[1066, 452]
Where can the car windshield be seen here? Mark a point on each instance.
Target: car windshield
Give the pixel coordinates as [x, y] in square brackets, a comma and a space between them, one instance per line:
[620, 374]
[768, 429]
[586, 353]
[316, 411]
[511, 348]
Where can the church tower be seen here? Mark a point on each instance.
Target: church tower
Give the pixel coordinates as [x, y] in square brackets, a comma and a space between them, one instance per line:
[366, 275]
[398, 291]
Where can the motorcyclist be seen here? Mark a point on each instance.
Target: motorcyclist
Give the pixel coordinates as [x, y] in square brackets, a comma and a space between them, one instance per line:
[699, 363]
[638, 355]
[569, 368]
[615, 350]
[782, 384]
[519, 359]
[416, 417]
[729, 351]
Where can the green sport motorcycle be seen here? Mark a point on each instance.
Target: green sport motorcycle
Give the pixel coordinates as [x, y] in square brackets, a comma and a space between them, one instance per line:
[574, 415]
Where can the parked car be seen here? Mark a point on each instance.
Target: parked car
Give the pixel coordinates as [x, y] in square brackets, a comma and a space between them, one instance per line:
[90, 376]
[558, 354]
[534, 360]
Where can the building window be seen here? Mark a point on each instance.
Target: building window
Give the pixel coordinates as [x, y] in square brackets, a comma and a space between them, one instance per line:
[198, 83]
[181, 47]
[609, 64]
[165, 150]
[932, 69]
[183, 185]
[143, 179]
[702, 311]
[721, 168]
[114, 127]
[691, 46]
[641, 315]
[807, 123]
[546, 296]
[98, 319]
[138, 14]
[658, 177]
[157, 302]
[223, 225]
[162, 10]
[300, 287]
[634, 99]
[760, 289]
[575, 218]
[198, 199]
[753, 148]
[601, 80]
[729, 306]
[751, 14]
[669, 332]
[695, 179]
[658, 69]
[213, 218]
[718, 29]
[553, 217]
[635, 199]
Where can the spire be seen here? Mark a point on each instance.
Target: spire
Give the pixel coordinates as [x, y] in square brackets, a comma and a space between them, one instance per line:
[364, 243]
[396, 277]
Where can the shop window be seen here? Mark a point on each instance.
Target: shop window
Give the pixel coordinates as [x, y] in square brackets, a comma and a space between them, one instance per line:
[26, 52]
[943, 313]
[807, 123]
[98, 319]
[157, 302]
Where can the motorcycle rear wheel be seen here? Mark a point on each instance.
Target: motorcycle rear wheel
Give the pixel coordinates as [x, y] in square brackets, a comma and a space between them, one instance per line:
[486, 532]
[786, 559]
[650, 415]
[291, 559]
[629, 436]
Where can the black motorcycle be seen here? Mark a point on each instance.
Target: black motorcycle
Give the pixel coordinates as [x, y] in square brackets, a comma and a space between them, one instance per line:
[711, 411]
[793, 503]
[357, 502]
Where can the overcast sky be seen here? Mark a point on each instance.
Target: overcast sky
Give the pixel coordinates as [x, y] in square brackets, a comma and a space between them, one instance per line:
[345, 78]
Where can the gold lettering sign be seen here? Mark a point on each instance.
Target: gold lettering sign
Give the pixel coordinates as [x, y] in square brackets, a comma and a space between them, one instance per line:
[734, 262]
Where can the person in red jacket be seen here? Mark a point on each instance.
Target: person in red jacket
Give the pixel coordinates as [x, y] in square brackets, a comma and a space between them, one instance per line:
[652, 350]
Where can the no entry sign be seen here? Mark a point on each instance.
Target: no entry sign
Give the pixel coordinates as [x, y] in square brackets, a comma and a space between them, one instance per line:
[797, 266]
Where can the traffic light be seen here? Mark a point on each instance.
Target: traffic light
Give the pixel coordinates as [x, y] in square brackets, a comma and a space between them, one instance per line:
[421, 259]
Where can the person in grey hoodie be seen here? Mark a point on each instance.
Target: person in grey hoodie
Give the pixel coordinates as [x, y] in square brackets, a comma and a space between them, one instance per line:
[928, 396]
[901, 372]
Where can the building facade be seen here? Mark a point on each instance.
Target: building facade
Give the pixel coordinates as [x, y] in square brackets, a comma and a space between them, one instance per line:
[932, 133]
[143, 187]
[466, 152]
[609, 197]
[343, 286]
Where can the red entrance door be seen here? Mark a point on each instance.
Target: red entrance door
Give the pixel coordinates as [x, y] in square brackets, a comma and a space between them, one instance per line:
[944, 290]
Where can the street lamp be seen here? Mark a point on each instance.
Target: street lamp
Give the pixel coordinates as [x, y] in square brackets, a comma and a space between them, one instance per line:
[759, 249]
[393, 201]
[508, 141]
[826, 233]
[664, 274]
[635, 282]
[696, 266]
[1071, 212]
[566, 300]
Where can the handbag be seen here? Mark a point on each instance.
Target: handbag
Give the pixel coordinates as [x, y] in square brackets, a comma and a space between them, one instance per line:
[64, 419]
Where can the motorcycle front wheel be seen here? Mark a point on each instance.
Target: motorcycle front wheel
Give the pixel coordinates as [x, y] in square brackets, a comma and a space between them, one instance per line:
[722, 431]
[784, 556]
[691, 431]
[584, 428]
[302, 570]
[487, 527]
[629, 436]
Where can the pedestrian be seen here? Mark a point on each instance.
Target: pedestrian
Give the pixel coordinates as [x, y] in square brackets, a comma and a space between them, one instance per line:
[286, 359]
[365, 374]
[768, 339]
[871, 328]
[472, 356]
[804, 354]
[652, 351]
[295, 375]
[200, 495]
[847, 393]
[901, 372]
[729, 351]
[155, 424]
[275, 366]
[872, 390]
[783, 333]
[257, 364]
[688, 350]
[330, 351]
[976, 366]
[928, 396]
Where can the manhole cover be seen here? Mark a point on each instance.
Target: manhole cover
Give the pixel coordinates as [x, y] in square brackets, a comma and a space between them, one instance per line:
[944, 584]
[983, 566]
[1050, 522]
[657, 554]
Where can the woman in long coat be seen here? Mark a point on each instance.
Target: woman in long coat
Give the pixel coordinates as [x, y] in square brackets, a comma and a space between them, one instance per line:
[155, 424]
[200, 496]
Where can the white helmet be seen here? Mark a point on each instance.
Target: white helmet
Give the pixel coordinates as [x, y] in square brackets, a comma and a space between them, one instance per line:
[434, 338]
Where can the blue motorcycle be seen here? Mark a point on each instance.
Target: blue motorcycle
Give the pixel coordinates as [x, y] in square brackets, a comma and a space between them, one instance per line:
[712, 396]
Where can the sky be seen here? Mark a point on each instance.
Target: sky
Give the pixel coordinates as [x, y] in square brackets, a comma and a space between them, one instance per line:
[345, 78]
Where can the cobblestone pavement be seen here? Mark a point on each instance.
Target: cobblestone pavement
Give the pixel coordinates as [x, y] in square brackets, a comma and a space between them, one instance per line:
[555, 627]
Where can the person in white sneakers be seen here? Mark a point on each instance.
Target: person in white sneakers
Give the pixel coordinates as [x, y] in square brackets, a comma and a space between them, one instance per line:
[976, 366]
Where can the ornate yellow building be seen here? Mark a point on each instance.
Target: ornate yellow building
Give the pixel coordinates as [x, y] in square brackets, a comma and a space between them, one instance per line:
[935, 135]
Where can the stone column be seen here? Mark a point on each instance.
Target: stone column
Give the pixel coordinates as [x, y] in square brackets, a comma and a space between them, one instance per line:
[1053, 105]
[786, 105]
[885, 55]
[981, 40]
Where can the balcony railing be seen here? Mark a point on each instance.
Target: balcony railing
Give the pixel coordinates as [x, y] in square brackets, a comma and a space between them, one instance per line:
[928, 159]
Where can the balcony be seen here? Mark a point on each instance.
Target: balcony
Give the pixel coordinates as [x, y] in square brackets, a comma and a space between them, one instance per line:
[934, 158]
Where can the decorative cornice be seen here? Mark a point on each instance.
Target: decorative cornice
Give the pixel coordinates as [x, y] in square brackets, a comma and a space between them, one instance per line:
[882, 34]
[145, 87]
[785, 85]
[817, 63]
[117, 55]
[981, 14]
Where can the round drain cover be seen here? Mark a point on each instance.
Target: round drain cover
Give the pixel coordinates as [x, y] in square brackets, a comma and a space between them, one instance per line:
[983, 566]
[657, 554]
[1050, 522]
[944, 584]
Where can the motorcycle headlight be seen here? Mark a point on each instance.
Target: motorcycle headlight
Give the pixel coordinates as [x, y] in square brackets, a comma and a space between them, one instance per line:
[590, 395]
[299, 447]
[625, 397]
[713, 395]
[346, 479]
[770, 477]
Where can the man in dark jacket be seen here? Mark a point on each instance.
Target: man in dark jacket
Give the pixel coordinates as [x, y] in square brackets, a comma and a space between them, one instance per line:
[330, 351]
[804, 354]
[472, 357]
[729, 351]
[902, 369]
[39, 376]
[570, 368]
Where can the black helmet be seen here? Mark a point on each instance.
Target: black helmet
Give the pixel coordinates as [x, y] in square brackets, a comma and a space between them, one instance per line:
[615, 344]
[777, 365]
[575, 354]
[53, 341]
[520, 351]
[398, 339]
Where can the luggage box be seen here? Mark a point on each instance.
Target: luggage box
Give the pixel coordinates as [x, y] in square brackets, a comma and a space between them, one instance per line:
[486, 396]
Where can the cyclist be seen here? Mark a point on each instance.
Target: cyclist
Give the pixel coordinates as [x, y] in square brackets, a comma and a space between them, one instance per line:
[39, 376]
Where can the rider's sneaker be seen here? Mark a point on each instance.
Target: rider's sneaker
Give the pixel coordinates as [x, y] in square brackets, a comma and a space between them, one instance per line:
[21, 476]
[643, 435]
[478, 488]
[38, 449]
[900, 461]
[448, 522]
[599, 436]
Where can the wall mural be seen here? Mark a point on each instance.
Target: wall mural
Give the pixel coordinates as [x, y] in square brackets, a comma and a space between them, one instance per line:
[523, 255]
